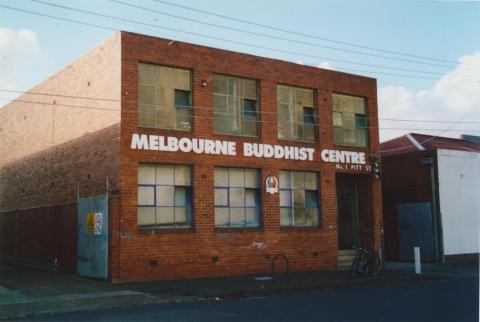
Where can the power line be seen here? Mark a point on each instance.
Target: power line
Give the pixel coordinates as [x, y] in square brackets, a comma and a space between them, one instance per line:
[215, 38]
[281, 38]
[136, 111]
[306, 35]
[239, 30]
[130, 101]
[448, 129]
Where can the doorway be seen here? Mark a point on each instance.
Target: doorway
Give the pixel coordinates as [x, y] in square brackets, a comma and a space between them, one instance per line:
[347, 216]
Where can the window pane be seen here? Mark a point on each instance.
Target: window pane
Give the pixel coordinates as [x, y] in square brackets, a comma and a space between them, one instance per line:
[236, 177]
[182, 216]
[221, 197]
[250, 126]
[235, 87]
[338, 135]
[221, 177]
[146, 94]
[220, 104]
[221, 217]
[286, 217]
[285, 198]
[237, 197]
[219, 84]
[360, 121]
[250, 89]
[308, 98]
[311, 217]
[146, 196]
[146, 174]
[349, 137]
[311, 199]
[299, 198]
[182, 175]
[299, 216]
[298, 181]
[251, 198]
[250, 108]
[361, 137]
[165, 216]
[283, 94]
[337, 119]
[284, 180]
[147, 74]
[182, 79]
[182, 98]
[237, 216]
[251, 178]
[165, 174]
[310, 180]
[165, 196]
[146, 216]
[181, 196]
[251, 215]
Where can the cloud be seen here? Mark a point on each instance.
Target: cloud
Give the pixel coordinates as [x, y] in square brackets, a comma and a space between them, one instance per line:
[449, 99]
[325, 65]
[18, 50]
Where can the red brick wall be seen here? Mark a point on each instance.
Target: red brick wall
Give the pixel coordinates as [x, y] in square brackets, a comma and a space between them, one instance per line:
[190, 253]
[46, 235]
[39, 218]
[82, 98]
[404, 180]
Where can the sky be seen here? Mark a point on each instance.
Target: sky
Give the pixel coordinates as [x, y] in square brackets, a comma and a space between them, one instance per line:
[442, 96]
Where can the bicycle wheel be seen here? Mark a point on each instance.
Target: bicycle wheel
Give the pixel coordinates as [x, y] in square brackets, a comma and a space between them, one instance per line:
[374, 265]
[356, 267]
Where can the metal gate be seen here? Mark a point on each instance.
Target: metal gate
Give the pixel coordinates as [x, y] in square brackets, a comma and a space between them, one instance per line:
[92, 243]
[415, 229]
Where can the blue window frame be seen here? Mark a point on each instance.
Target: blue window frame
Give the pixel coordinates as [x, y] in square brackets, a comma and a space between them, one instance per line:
[164, 196]
[237, 197]
[299, 206]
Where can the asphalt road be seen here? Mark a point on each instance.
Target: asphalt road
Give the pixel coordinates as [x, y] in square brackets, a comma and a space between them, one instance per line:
[452, 300]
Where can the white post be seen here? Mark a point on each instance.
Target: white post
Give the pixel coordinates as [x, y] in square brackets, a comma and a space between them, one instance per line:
[418, 265]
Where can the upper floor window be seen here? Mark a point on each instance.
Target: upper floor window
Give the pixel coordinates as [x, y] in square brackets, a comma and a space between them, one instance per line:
[164, 97]
[350, 120]
[235, 106]
[237, 197]
[296, 113]
[164, 196]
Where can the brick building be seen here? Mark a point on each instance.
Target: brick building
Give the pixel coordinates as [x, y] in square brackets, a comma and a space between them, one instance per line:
[211, 162]
[430, 197]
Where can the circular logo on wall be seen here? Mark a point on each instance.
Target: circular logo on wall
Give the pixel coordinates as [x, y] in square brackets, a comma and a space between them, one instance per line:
[271, 185]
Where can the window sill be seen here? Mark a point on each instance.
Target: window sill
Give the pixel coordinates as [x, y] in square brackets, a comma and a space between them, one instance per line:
[302, 229]
[153, 230]
[238, 229]
[296, 141]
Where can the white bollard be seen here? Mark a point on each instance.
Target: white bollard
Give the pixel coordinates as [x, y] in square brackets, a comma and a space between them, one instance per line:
[418, 265]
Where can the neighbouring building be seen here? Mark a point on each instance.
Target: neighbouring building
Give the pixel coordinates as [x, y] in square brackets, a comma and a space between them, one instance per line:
[431, 189]
[151, 159]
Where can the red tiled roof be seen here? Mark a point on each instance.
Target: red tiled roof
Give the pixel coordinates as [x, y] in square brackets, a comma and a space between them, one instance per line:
[404, 144]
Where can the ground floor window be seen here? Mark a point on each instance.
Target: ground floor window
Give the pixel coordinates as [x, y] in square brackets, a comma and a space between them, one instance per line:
[164, 196]
[299, 205]
[237, 197]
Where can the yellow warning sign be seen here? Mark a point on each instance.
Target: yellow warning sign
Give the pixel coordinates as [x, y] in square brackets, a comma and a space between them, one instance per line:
[90, 222]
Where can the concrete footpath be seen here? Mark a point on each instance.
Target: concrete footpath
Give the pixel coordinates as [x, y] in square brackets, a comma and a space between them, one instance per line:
[27, 291]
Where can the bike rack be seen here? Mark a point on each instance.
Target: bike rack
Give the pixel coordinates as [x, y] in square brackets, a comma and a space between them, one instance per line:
[274, 273]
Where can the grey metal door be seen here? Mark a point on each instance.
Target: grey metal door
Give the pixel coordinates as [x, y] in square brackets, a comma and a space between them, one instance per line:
[92, 232]
[415, 229]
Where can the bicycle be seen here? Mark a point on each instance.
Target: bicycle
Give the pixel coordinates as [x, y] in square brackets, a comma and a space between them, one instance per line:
[365, 263]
